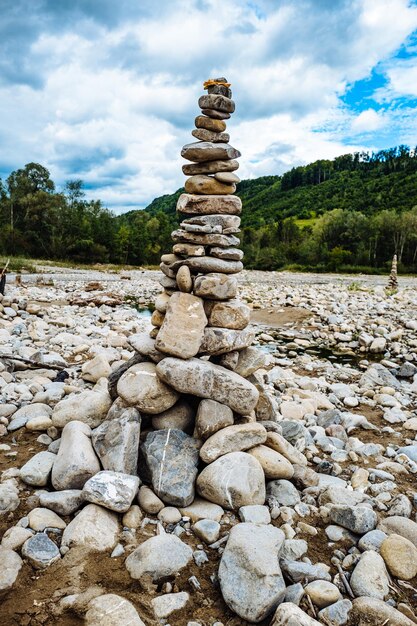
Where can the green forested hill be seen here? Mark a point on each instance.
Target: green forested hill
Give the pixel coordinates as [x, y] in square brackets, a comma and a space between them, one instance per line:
[351, 213]
[357, 210]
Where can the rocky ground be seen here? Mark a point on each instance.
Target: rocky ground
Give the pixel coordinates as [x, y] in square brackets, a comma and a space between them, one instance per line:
[338, 399]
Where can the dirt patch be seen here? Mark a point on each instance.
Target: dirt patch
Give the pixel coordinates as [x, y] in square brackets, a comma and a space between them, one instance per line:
[278, 318]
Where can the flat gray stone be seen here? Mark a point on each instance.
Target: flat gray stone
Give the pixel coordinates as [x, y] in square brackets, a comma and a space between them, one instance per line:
[193, 204]
[207, 151]
[221, 340]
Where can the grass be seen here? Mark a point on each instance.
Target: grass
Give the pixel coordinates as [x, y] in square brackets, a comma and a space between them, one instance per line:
[18, 264]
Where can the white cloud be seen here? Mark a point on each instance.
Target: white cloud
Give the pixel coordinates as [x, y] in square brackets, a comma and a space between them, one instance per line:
[114, 104]
[368, 121]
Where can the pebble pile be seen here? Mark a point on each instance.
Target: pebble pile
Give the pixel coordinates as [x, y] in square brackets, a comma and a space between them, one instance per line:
[187, 448]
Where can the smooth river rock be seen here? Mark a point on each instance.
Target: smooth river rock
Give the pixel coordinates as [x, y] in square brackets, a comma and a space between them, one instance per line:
[90, 407]
[183, 327]
[199, 151]
[204, 134]
[211, 417]
[36, 472]
[111, 610]
[232, 481]
[217, 102]
[232, 439]
[10, 568]
[94, 528]
[76, 460]
[202, 184]
[273, 463]
[180, 416]
[215, 286]
[142, 387]
[250, 577]
[216, 126]
[210, 167]
[194, 204]
[370, 577]
[159, 557]
[400, 556]
[206, 380]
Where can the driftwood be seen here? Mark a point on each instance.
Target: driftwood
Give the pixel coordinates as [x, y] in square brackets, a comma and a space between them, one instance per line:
[31, 364]
[3, 278]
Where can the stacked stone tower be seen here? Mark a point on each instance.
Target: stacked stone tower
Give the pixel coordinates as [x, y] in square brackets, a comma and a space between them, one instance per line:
[190, 379]
[393, 278]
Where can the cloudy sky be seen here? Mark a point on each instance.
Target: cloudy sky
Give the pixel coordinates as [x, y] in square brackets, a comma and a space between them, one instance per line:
[106, 90]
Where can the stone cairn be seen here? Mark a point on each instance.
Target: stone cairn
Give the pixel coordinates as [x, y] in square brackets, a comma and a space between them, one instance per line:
[393, 279]
[190, 375]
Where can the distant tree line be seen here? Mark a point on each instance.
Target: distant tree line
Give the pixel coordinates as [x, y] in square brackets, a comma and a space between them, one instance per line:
[351, 213]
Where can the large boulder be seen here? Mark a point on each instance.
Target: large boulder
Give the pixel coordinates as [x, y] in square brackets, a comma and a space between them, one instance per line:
[206, 380]
[171, 457]
[232, 481]
[249, 573]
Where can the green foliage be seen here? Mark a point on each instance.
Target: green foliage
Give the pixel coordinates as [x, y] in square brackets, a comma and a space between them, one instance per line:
[350, 214]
